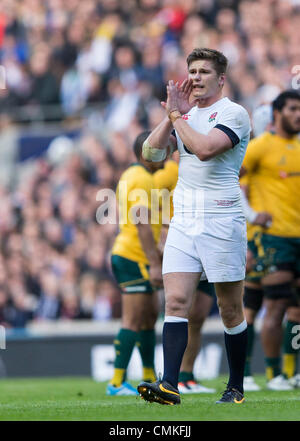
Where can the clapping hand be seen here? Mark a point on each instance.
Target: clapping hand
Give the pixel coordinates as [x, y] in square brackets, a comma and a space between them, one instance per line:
[178, 97]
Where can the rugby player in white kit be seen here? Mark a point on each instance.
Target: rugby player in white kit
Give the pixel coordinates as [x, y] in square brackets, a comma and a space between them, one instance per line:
[207, 235]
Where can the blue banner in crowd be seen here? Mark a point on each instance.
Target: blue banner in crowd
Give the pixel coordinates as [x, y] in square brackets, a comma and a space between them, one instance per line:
[33, 145]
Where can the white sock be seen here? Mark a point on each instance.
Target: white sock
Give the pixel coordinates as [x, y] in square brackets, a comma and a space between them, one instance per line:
[174, 319]
[237, 329]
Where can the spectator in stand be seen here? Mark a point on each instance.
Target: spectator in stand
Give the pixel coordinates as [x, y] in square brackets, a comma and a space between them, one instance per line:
[49, 306]
[70, 306]
[4, 313]
[44, 88]
[50, 46]
[88, 292]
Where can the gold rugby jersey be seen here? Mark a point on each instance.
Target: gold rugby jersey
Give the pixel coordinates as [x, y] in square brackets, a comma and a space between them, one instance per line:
[273, 164]
[138, 187]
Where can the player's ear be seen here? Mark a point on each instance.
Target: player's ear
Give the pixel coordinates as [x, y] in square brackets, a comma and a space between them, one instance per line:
[221, 80]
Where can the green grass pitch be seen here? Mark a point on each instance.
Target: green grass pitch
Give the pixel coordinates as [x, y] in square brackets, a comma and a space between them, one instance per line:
[82, 399]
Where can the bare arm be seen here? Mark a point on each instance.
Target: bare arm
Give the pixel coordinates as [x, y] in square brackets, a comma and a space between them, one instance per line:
[152, 253]
[160, 143]
[204, 147]
[148, 244]
[243, 171]
[160, 137]
[262, 218]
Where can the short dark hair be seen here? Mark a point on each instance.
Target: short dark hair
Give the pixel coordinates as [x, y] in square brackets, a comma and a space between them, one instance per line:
[218, 59]
[138, 143]
[280, 101]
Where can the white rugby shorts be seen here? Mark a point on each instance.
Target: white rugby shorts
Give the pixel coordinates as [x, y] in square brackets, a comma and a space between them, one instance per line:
[218, 251]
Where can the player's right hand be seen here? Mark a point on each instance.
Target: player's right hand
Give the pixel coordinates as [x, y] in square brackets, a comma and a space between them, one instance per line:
[184, 93]
[155, 276]
[178, 96]
[263, 219]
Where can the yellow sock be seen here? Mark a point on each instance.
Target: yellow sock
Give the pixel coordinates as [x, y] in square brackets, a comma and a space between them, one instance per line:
[269, 373]
[118, 377]
[149, 374]
[272, 367]
[289, 365]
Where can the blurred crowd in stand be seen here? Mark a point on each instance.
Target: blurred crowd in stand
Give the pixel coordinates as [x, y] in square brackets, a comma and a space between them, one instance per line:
[54, 260]
[73, 53]
[116, 57]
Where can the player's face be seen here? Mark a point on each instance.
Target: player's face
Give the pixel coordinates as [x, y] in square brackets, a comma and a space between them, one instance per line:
[206, 81]
[290, 117]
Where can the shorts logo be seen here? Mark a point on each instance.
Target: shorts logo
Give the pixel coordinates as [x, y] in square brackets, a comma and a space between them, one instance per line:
[212, 117]
[186, 117]
[224, 203]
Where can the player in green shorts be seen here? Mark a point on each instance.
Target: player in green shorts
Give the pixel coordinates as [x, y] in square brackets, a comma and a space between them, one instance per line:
[272, 165]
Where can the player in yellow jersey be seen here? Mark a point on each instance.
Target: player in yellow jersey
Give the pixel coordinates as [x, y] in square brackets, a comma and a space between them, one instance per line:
[273, 160]
[136, 264]
[165, 180]
[257, 219]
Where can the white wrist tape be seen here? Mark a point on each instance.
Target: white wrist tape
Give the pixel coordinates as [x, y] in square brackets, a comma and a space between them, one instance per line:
[249, 213]
[153, 154]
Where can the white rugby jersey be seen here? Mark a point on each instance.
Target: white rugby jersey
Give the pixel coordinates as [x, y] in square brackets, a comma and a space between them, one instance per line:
[212, 186]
